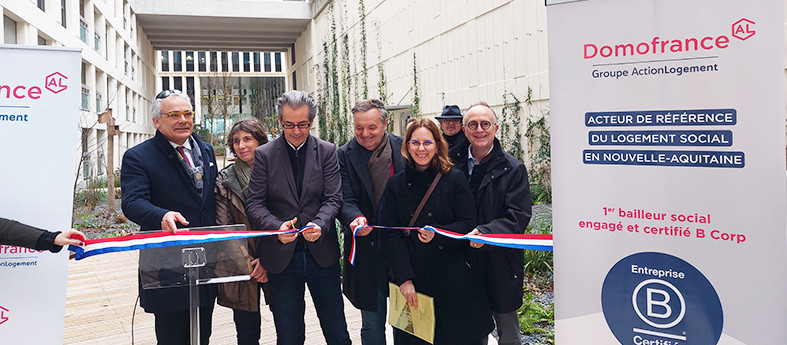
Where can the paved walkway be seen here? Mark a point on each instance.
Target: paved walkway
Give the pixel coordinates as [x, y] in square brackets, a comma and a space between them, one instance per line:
[102, 291]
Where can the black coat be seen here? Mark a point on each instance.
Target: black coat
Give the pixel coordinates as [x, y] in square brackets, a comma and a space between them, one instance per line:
[503, 203]
[360, 281]
[441, 268]
[154, 182]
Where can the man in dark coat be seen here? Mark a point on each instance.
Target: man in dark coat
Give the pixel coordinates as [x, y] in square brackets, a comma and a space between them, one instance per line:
[295, 182]
[167, 183]
[451, 125]
[502, 194]
[366, 163]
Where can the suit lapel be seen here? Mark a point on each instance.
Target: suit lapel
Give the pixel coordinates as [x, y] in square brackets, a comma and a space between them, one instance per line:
[361, 169]
[310, 167]
[174, 159]
[284, 160]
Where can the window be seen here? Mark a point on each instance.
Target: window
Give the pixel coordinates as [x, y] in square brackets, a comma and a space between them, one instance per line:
[189, 61]
[99, 108]
[85, 100]
[178, 83]
[294, 81]
[267, 61]
[214, 63]
[277, 60]
[82, 29]
[9, 30]
[201, 61]
[97, 42]
[42, 5]
[176, 61]
[246, 62]
[63, 13]
[235, 61]
[190, 90]
[224, 62]
[165, 83]
[41, 41]
[256, 61]
[100, 161]
[165, 61]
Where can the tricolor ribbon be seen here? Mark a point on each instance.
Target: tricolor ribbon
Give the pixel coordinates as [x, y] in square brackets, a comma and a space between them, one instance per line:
[517, 241]
[147, 240]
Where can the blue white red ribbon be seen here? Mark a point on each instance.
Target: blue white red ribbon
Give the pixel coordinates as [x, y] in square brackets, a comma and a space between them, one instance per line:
[146, 240]
[517, 241]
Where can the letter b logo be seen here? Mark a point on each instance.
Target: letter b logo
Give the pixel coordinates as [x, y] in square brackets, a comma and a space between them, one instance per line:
[661, 300]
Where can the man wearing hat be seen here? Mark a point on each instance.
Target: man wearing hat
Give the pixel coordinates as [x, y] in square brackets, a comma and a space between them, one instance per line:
[451, 125]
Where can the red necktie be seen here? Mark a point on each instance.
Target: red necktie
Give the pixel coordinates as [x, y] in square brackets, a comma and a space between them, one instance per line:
[183, 154]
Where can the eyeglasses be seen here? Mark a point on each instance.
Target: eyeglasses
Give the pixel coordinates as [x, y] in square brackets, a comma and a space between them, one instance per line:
[188, 114]
[301, 125]
[426, 143]
[473, 125]
[167, 93]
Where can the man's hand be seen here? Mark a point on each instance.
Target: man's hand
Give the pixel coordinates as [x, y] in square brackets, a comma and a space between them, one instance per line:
[425, 236]
[312, 234]
[408, 290]
[258, 272]
[361, 221]
[476, 244]
[71, 236]
[169, 219]
[287, 238]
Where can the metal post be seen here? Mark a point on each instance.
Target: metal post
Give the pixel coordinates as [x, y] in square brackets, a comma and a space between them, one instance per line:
[193, 259]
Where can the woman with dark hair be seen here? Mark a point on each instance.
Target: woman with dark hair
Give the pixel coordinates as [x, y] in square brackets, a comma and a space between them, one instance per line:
[232, 188]
[427, 263]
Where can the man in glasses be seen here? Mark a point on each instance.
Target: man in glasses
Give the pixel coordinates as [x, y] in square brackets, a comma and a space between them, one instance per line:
[365, 163]
[502, 193]
[294, 184]
[451, 125]
[167, 183]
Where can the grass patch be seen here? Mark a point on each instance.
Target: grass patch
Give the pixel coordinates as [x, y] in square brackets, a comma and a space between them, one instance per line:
[533, 317]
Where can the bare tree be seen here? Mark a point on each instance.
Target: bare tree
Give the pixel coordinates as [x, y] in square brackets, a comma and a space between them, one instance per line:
[220, 86]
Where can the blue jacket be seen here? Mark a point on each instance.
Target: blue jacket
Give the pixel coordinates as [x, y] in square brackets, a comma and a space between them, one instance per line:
[153, 181]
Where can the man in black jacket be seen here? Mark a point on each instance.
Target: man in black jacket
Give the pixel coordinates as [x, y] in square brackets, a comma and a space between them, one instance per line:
[365, 164]
[168, 183]
[502, 193]
[451, 125]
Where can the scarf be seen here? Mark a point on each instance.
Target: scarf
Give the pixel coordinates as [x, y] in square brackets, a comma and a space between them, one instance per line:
[243, 173]
[380, 169]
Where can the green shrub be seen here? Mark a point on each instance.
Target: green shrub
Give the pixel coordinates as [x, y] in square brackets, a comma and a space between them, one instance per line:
[532, 313]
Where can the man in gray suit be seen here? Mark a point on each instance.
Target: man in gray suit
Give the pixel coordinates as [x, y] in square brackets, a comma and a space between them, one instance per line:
[295, 182]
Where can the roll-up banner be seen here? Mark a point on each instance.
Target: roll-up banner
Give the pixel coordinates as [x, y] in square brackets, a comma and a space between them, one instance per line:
[39, 138]
[668, 153]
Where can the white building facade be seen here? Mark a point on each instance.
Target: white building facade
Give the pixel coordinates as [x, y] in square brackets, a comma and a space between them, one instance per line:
[118, 67]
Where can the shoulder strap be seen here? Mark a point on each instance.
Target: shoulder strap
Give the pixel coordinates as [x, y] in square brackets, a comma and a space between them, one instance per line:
[426, 197]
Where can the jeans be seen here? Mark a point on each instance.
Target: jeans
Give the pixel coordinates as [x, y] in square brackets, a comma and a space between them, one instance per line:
[373, 322]
[288, 305]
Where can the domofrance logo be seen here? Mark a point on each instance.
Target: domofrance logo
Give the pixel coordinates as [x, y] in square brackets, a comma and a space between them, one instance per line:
[659, 299]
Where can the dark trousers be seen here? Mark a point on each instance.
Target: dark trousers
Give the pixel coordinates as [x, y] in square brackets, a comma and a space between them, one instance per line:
[373, 322]
[247, 324]
[288, 305]
[174, 328]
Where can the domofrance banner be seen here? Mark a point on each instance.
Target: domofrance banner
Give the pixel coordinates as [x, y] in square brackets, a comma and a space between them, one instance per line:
[39, 110]
[668, 158]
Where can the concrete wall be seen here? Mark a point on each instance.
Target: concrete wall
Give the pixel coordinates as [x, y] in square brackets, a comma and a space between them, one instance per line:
[465, 51]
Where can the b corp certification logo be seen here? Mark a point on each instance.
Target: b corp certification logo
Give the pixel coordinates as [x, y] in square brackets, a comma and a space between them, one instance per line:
[659, 299]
